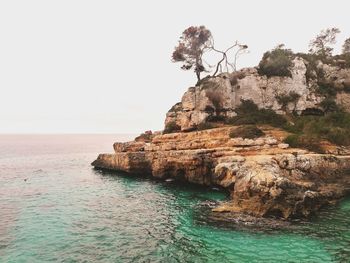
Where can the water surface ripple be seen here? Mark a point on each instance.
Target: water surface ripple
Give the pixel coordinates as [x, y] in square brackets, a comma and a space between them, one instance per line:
[55, 208]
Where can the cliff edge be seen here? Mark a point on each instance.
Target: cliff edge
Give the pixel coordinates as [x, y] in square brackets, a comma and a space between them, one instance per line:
[302, 92]
[279, 145]
[263, 175]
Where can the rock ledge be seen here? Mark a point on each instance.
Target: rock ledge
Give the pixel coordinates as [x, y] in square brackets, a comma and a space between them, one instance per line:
[264, 176]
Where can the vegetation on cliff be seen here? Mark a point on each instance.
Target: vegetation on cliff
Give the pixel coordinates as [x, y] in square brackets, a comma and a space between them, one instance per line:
[247, 132]
[307, 131]
[171, 127]
[276, 62]
[249, 113]
[324, 120]
[195, 42]
[291, 98]
[346, 46]
[333, 127]
[322, 44]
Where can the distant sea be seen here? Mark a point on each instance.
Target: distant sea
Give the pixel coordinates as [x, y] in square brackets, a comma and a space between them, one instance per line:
[54, 207]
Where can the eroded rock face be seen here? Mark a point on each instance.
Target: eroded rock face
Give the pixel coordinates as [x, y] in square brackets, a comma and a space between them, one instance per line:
[343, 99]
[264, 176]
[289, 185]
[219, 96]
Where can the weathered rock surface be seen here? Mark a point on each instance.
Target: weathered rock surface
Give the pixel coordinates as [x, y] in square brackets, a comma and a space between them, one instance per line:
[264, 176]
[219, 96]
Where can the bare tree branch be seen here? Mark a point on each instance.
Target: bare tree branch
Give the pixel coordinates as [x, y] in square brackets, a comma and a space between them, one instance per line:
[197, 41]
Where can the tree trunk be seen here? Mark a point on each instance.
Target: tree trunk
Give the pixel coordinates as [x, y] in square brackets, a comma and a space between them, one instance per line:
[198, 74]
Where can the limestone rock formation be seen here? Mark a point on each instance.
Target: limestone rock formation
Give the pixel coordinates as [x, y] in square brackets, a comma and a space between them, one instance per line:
[217, 97]
[264, 176]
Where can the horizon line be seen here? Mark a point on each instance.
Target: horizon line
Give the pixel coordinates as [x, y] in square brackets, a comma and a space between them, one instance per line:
[71, 133]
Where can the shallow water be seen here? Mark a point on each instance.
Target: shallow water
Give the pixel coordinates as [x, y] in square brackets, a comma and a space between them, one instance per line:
[55, 208]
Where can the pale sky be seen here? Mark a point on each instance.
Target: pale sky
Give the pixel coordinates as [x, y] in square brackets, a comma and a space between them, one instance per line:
[104, 66]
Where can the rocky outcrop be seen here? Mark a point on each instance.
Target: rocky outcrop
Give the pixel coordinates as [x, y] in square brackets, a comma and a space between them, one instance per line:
[288, 185]
[264, 176]
[216, 98]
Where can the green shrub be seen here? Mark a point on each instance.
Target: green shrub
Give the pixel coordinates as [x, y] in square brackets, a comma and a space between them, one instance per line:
[177, 107]
[312, 71]
[171, 127]
[339, 119]
[339, 136]
[246, 107]
[276, 62]
[334, 127]
[249, 131]
[285, 99]
[308, 130]
[329, 105]
[249, 113]
[303, 141]
[268, 116]
[216, 118]
[342, 60]
[326, 88]
[312, 60]
[292, 140]
[205, 126]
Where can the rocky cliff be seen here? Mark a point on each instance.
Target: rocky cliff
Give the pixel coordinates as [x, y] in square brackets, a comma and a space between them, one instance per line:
[218, 97]
[264, 175]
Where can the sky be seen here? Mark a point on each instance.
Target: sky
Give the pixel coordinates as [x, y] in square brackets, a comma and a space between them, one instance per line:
[105, 66]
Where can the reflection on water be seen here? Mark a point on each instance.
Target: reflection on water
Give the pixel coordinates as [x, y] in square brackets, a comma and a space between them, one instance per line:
[54, 207]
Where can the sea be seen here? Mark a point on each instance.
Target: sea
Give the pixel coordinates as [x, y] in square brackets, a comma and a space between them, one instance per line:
[54, 207]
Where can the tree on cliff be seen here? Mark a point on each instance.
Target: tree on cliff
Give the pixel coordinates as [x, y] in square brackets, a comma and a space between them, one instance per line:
[194, 41]
[276, 62]
[321, 45]
[240, 49]
[346, 46]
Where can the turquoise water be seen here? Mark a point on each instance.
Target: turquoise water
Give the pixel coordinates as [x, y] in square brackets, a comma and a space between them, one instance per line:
[55, 208]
